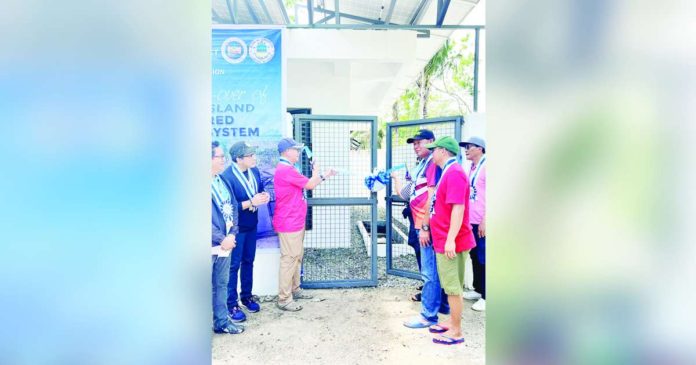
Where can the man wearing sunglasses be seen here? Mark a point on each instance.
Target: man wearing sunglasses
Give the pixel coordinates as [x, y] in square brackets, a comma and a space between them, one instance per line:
[224, 228]
[475, 151]
[245, 180]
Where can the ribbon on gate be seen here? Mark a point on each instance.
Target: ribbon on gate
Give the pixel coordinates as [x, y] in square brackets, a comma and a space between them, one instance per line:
[379, 178]
[308, 152]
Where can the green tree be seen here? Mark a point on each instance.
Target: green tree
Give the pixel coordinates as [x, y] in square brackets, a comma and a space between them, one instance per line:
[443, 87]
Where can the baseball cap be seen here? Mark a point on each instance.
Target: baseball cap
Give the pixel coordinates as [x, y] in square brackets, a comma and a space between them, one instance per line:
[286, 143]
[445, 142]
[422, 134]
[477, 141]
[241, 149]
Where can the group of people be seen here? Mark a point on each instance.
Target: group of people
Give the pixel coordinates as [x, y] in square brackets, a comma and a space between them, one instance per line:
[446, 213]
[237, 194]
[446, 210]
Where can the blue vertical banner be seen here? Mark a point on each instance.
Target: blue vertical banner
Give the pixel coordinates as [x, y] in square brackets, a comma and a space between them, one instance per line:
[248, 101]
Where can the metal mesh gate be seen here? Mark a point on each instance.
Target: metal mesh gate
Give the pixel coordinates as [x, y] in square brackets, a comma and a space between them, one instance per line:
[340, 250]
[401, 259]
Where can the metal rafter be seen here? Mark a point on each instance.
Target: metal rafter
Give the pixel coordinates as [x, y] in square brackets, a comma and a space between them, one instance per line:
[283, 11]
[252, 12]
[387, 19]
[476, 68]
[349, 16]
[337, 14]
[325, 19]
[233, 18]
[310, 11]
[265, 11]
[383, 26]
[419, 12]
[442, 6]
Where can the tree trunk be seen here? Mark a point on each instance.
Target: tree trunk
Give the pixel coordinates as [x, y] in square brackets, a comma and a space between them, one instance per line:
[423, 84]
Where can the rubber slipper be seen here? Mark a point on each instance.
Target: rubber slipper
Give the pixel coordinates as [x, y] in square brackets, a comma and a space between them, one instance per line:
[416, 297]
[290, 307]
[436, 328]
[418, 323]
[446, 340]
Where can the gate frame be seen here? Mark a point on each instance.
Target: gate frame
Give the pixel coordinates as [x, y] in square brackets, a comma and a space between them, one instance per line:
[458, 124]
[299, 119]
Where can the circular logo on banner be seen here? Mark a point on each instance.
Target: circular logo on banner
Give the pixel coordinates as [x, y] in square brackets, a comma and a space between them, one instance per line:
[261, 50]
[234, 50]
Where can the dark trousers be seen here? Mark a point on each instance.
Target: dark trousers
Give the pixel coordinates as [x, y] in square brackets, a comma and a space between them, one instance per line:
[478, 262]
[242, 267]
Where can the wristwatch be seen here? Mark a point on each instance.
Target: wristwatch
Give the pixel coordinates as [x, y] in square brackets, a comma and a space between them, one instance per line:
[425, 227]
[322, 177]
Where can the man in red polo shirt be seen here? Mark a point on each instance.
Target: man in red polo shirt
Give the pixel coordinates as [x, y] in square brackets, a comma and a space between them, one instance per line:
[451, 233]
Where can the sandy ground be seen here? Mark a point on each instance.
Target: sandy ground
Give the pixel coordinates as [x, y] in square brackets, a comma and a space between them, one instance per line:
[350, 326]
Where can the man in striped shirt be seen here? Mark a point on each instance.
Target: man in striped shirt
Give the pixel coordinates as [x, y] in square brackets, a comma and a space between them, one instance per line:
[433, 299]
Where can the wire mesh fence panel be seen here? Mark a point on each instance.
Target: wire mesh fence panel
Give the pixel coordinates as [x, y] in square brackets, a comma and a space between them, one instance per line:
[401, 257]
[338, 240]
[345, 146]
[339, 245]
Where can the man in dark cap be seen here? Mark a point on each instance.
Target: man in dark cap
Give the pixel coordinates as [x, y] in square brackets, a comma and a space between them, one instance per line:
[433, 299]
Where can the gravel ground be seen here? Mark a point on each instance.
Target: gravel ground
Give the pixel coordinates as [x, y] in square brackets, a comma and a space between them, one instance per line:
[348, 326]
[352, 263]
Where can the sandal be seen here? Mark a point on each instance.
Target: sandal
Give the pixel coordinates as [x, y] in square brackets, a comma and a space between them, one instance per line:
[231, 328]
[437, 328]
[416, 297]
[290, 307]
[302, 295]
[418, 322]
[447, 340]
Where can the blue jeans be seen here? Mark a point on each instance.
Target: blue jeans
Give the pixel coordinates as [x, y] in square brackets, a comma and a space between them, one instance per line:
[221, 275]
[242, 267]
[433, 298]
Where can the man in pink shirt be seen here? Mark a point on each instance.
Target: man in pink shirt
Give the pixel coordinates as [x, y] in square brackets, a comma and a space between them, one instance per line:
[289, 220]
[475, 149]
[451, 234]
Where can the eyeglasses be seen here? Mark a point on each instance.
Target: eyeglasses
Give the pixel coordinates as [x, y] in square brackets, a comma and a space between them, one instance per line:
[220, 156]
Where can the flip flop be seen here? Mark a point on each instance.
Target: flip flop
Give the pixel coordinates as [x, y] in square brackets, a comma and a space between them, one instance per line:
[416, 297]
[417, 323]
[446, 340]
[436, 328]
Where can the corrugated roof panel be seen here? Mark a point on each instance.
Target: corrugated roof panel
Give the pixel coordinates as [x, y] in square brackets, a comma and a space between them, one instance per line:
[404, 11]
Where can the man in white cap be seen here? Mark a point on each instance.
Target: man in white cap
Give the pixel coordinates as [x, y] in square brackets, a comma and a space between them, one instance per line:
[289, 220]
[475, 151]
